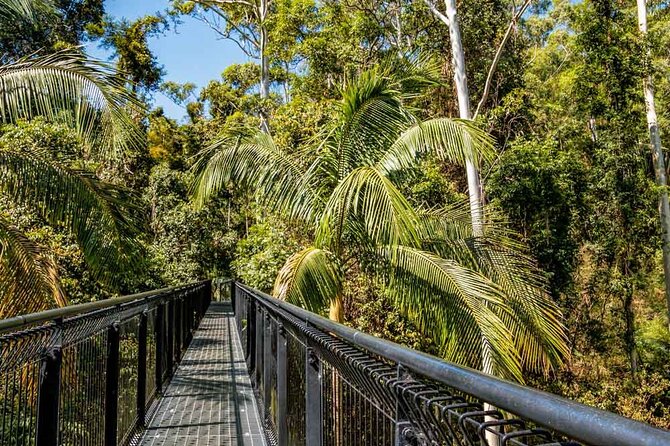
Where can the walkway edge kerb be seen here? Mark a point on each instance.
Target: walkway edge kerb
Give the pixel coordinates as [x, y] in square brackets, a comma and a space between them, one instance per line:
[578, 421]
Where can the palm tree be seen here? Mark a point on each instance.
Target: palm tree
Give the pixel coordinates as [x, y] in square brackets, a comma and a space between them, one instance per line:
[459, 287]
[64, 87]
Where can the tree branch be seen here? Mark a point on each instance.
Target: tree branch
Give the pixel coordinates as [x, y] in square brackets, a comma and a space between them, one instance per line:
[436, 11]
[496, 59]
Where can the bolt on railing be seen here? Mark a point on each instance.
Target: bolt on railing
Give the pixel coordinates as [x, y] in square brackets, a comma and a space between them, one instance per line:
[320, 383]
[89, 374]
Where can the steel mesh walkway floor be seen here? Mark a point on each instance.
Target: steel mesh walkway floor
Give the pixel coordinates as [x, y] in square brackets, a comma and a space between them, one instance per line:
[210, 400]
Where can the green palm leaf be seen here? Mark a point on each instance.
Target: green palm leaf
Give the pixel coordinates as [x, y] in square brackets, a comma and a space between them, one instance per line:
[254, 162]
[65, 87]
[22, 9]
[459, 307]
[454, 140]
[365, 193]
[101, 216]
[28, 278]
[311, 278]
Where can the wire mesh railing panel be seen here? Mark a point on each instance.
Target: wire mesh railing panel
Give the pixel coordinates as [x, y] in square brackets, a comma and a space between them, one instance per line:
[86, 375]
[330, 385]
[18, 402]
[128, 377]
[82, 392]
[295, 417]
[151, 356]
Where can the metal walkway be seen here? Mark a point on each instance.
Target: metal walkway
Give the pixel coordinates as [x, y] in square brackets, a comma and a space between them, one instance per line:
[210, 400]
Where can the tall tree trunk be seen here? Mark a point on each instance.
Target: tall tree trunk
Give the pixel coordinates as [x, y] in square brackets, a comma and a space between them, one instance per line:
[474, 185]
[461, 80]
[657, 154]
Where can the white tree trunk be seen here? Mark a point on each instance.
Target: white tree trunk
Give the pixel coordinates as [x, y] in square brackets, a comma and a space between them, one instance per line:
[657, 156]
[460, 78]
[474, 184]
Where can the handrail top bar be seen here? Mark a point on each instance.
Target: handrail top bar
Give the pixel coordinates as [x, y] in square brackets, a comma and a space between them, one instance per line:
[575, 420]
[73, 310]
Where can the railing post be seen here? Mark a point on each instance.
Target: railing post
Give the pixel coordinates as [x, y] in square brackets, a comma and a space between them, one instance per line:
[267, 362]
[142, 369]
[112, 385]
[208, 295]
[170, 337]
[282, 395]
[49, 395]
[313, 402]
[260, 323]
[159, 326]
[251, 334]
[403, 427]
[179, 329]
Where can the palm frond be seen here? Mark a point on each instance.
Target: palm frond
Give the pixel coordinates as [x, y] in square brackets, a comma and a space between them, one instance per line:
[454, 140]
[532, 318]
[311, 278]
[102, 217]
[366, 194]
[460, 308]
[66, 87]
[22, 9]
[373, 117]
[256, 163]
[28, 278]
[535, 320]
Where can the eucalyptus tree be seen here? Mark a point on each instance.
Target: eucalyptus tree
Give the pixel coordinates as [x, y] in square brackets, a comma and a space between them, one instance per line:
[63, 87]
[456, 283]
[658, 157]
[245, 22]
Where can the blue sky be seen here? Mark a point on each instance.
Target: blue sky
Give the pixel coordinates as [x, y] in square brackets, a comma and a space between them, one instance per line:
[191, 53]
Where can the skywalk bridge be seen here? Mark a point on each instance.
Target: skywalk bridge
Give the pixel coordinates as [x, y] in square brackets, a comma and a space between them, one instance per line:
[227, 365]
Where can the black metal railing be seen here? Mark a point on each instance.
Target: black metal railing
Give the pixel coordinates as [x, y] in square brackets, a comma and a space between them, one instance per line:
[89, 374]
[321, 383]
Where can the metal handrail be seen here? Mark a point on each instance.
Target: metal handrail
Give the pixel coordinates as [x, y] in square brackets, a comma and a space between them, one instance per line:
[575, 420]
[72, 310]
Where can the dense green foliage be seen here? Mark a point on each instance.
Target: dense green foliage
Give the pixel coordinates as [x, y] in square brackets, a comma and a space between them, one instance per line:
[571, 179]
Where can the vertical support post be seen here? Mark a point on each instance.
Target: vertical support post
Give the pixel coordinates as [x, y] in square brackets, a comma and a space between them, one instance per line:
[179, 329]
[251, 335]
[403, 428]
[258, 371]
[189, 320]
[159, 325]
[282, 393]
[313, 402]
[49, 395]
[170, 337]
[267, 363]
[233, 302]
[142, 369]
[208, 295]
[112, 385]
